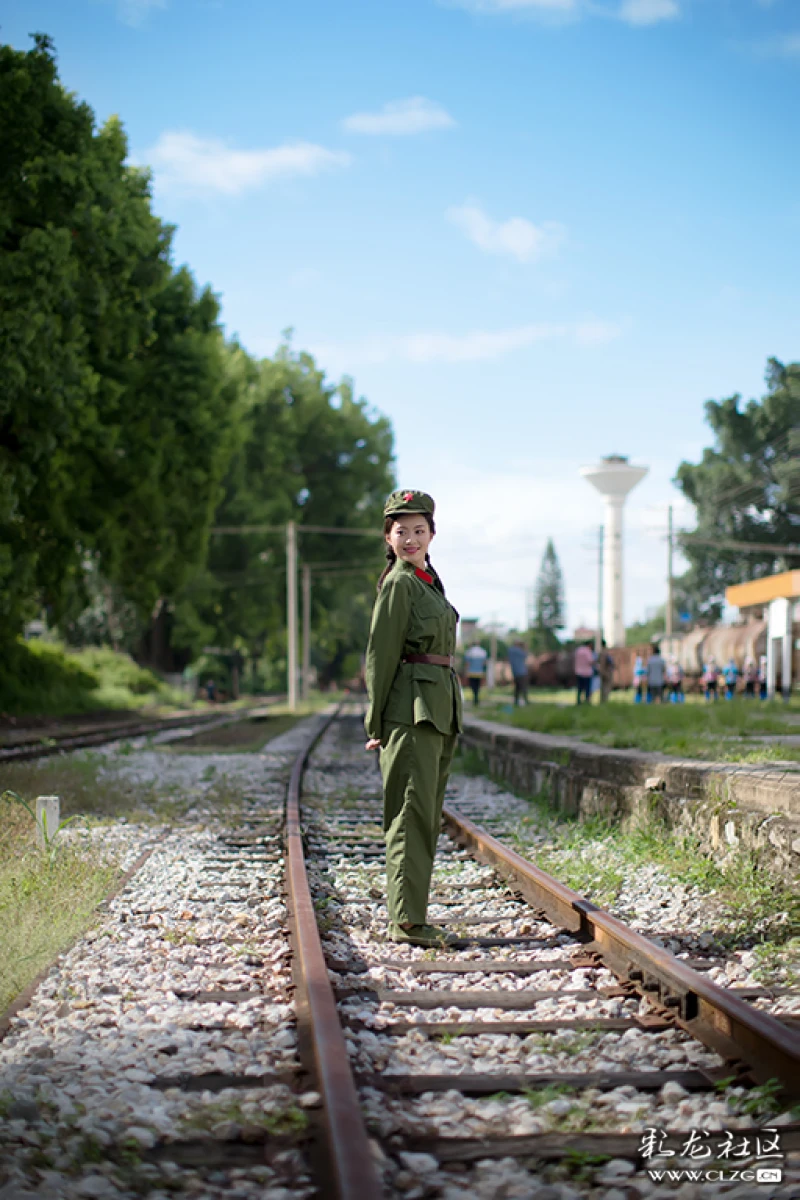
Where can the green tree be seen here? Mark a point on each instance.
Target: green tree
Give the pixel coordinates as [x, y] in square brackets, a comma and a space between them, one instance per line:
[746, 489]
[548, 604]
[309, 451]
[114, 416]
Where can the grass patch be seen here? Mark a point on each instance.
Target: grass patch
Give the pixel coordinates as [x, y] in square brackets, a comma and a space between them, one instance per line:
[84, 788]
[243, 737]
[717, 732]
[280, 1122]
[45, 900]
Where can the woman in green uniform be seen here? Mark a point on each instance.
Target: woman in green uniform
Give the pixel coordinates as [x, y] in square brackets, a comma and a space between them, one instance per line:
[414, 713]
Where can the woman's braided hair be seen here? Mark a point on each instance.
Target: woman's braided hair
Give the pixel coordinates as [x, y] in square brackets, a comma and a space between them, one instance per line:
[391, 557]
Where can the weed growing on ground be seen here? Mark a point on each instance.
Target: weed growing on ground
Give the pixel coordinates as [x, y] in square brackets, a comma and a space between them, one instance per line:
[594, 856]
[580, 1166]
[45, 899]
[280, 1122]
[762, 1101]
[778, 963]
[538, 1097]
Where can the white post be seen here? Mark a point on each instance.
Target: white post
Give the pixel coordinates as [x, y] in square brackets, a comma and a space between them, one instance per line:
[670, 589]
[291, 613]
[779, 646]
[598, 637]
[491, 673]
[306, 677]
[48, 818]
[614, 621]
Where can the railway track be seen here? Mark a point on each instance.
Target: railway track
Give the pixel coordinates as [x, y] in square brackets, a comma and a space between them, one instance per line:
[204, 1040]
[549, 1034]
[33, 744]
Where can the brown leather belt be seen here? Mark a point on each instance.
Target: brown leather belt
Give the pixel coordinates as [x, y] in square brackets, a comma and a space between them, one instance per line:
[435, 660]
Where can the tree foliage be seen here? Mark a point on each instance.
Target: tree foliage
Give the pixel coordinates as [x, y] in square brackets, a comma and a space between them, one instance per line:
[306, 451]
[113, 413]
[746, 488]
[548, 603]
[128, 426]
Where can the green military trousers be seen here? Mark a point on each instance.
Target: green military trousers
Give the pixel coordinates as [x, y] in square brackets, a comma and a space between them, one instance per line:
[415, 764]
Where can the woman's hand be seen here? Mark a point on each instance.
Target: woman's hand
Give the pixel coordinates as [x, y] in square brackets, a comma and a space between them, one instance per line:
[373, 744]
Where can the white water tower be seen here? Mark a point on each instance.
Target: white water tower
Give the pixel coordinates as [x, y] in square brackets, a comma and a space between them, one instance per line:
[613, 477]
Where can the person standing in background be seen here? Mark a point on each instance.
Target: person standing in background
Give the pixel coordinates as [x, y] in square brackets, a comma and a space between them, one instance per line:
[675, 680]
[655, 676]
[731, 675]
[710, 679]
[762, 677]
[518, 661]
[605, 669]
[475, 666]
[584, 670]
[750, 677]
[639, 680]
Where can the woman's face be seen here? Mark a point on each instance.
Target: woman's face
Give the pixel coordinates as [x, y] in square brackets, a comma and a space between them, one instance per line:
[410, 537]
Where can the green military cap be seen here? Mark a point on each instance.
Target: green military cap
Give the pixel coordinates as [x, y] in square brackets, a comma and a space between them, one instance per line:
[406, 501]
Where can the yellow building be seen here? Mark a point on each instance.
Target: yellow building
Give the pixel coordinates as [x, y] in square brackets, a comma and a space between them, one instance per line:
[777, 599]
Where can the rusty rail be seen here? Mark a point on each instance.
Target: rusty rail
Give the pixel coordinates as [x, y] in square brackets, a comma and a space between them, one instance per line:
[714, 1016]
[350, 1156]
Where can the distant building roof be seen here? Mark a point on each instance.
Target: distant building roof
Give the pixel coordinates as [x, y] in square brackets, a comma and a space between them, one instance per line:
[761, 591]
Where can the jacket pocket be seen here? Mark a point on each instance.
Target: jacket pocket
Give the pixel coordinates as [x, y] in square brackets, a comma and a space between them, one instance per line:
[427, 673]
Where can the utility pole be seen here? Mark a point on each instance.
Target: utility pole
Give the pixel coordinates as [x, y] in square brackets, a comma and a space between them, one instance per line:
[670, 601]
[291, 613]
[598, 637]
[306, 678]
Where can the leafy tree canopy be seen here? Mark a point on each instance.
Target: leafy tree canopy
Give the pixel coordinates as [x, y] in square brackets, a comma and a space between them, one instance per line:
[307, 451]
[745, 489]
[114, 417]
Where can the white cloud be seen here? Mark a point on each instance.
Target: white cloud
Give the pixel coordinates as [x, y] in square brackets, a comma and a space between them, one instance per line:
[401, 117]
[648, 12]
[493, 6]
[784, 45]
[476, 346]
[633, 12]
[182, 160]
[135, 12]
[516, 238]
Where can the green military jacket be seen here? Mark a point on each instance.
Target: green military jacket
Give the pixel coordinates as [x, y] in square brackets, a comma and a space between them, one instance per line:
[411, 616]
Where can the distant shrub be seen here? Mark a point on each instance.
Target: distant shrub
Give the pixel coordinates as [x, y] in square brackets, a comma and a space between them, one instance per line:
[44, 678]
[38, 677]
[118, 670]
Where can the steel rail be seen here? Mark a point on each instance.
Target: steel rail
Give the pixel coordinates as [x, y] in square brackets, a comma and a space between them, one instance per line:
[711, 1014]
[352, 1163]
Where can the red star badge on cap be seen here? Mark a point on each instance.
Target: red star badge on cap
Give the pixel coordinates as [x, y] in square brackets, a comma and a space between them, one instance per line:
[408, 496]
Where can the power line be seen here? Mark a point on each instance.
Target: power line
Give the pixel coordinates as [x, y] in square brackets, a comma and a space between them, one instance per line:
[224, 529]
[746, 547]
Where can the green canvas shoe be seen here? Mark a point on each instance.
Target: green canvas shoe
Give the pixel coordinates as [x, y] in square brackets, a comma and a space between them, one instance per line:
[421, 935]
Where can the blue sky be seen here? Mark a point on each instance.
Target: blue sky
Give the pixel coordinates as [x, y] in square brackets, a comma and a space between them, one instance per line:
[533, 231]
